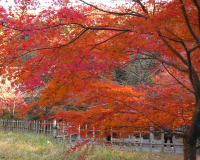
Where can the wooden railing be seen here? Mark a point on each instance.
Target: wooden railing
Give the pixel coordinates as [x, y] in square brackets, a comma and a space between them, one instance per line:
[71, 134]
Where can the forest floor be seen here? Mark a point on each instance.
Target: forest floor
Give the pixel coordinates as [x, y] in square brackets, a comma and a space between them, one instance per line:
[31, 147]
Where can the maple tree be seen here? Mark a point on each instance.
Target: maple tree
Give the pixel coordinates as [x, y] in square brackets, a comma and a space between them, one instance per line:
[72, 52]
[11, 100]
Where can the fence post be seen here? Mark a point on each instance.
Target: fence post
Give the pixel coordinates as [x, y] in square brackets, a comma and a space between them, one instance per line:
[86, 131]
[17, 125]
[102, 136]
[50, 124]
[151, 138]
[54, 128]
[173, 140]
[30, 126]
[79, 132]
[111, 135]
[9, 122]
[93, 133]
[12, 126]
[36, 127]
[140, 140]
[22, 129]
[129, 138]
[63, 131]
[44, 125]
[162, 140]
[40, 127]
[70, 138]
[24, 125]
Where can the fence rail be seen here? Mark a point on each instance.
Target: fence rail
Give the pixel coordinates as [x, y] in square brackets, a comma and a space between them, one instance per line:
[71, 134]
[34, 127]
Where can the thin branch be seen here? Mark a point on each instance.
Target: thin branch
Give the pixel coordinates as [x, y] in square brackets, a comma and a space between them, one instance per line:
[147, 116]
[177, 79]
[183, 117]
[102, 28]
[173, 33]
[172, 39]
[187, 22]
[167, 62]
[132, 13]
[198, 7]
[172, 49]
[107, 40]
[64, 45]
[190, 72]
[12, 37]
[35, 29]
[194, 48]
[142, 6]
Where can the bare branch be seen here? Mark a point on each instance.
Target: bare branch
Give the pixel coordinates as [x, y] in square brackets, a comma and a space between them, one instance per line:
[198, 7]
[146, 116]
[167, 62]
[172, 39]
[195, 47]
[102, 28]
[177, 79]
[107, 39]
[142, 6]
[132, 13]
[172, 49]
[173, 34]
[187, 22]
[64, 45]
[190, 68]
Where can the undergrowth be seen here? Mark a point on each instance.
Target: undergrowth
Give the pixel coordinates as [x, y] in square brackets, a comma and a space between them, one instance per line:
[30, 147]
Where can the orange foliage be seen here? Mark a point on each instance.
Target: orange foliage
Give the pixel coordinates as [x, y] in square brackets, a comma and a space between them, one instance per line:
[73, 54]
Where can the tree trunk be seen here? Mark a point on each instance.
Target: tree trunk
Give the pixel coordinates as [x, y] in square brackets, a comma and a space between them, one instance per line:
[189, 150]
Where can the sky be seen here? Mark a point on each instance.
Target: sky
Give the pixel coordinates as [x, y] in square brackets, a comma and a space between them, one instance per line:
[44, 3]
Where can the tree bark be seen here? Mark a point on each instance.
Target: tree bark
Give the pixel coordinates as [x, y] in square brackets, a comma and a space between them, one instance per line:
[189, 150]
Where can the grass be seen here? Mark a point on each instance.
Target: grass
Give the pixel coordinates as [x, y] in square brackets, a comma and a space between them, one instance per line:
[25, 146]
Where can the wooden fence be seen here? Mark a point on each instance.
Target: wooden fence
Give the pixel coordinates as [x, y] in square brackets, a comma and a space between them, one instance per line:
[34, 127]
[71, 134]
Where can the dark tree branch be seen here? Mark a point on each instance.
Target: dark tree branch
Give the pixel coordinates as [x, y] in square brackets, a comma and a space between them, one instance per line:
[116, 13]
[167, 62]
[194, 48]
[107, 40]
[102, 28]
[187, 21]
[64, 45]
[177, 79]
[172, 39]
[172, 49]
[196, 4]
[142, 6]
[35, 29]
[198, 7]
[173, 34]
[190, 71]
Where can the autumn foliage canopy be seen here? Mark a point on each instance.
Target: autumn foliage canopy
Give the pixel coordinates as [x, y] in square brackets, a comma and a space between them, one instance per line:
[68, 53]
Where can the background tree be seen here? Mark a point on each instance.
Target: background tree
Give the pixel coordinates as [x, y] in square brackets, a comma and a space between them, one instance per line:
[11, 100]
